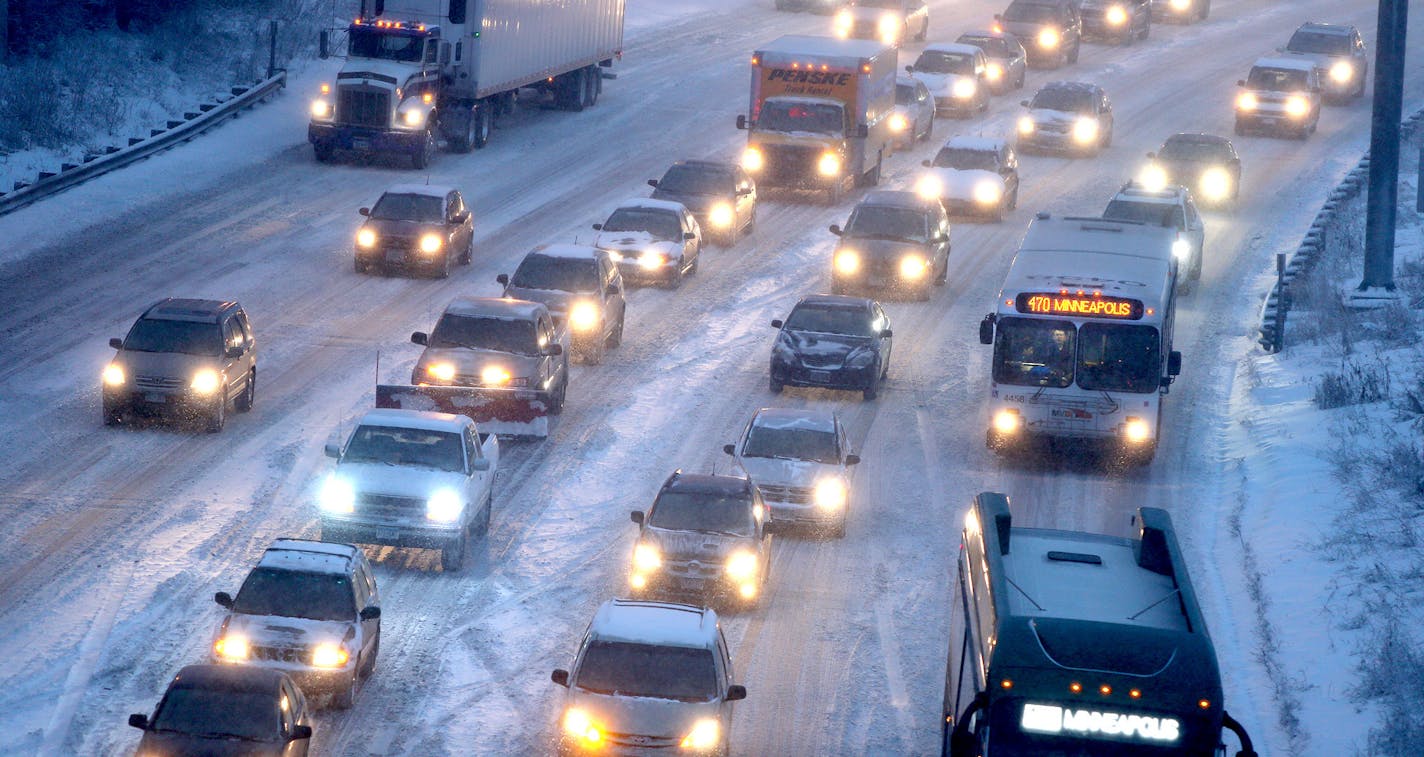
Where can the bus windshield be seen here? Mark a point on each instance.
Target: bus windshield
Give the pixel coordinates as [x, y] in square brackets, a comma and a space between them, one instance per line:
[1032, 352]
[1118, 357]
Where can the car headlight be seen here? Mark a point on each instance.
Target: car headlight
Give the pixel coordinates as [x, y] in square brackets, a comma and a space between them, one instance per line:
[722, 215]
[704, 736]
[1116, 15]
[578, 724]
[431, 243]
[1342, 72]
[898, 122]
[113, 375]
[583, 316]
[1181, 5]
[338, 495]
[651, 259]
[444, 506]
[844, 23]
[1026, 125]
[889, 27]
[414, 118]
[741, 565]
[366, 238]
[1247, 101]
[1153, 178]
[913, 267]
[1215, 184]
[1085, 130]
[232, 649]
[861, 358]
[205, 381]
[1136, 430]
[1007, 421]
[329, 656]
[994, 72]
[830, 494]
[987, 192]
[494, 376]
[929, 187]
[1181, 249]
[753, 160]
[963, 88]
[321, 109]
[441, 371]
[646, 558]
[847, 262]
[1048, 39]
[829, 164]
[1297, 106]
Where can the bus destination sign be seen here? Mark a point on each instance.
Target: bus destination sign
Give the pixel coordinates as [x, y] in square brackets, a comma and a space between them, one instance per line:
[1082, 305]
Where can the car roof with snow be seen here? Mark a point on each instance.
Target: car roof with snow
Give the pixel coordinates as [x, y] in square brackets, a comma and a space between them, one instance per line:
[1196, 138]
[835, 301]
[192, 310]
[958, 48]
[306, 556]
[988, 34]
[710, 166]
[220, 677]
[980, 144]
[656, 623]
[425, 190]
[1172, 194]
[895, 198]
[812, 419]
[649, 203]
[1323, 27]
[419, 420]
[566, 250]
[468, 306]
[1288, 64]
[1070, 86]
[704, 483]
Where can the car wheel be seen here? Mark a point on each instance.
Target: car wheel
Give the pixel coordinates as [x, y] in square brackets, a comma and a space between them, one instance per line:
[452, 556]
[421, 159]
[674, 279]
[1073, 56]
[443, 270]
[1020, 83]
[555, 401]
[484, 124]
[838, 531]
[217, 416]
[468, 256]
[484, 525]
[616, 338]
[343, 698]
[870, 392]
[244, 401]
[775, 386]
[943, 276]
[324, 152]
[368, 663]
[593, 354]
[112, 415]
[360, 266]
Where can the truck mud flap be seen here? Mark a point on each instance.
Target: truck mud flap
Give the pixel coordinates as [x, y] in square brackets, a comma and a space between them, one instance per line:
[503, 412]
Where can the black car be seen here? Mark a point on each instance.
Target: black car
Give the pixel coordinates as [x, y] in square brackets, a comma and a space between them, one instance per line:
[1118, 21]
[721, 196]
[834, 342]
[1205, 163]
[1051, 30]
[580, 285]
[416, 227]
[895, 241]
[222, 710]
[1180, 11]
[1339, 53]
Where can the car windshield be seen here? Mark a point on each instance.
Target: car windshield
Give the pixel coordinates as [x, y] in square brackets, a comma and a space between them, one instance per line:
[390, 445]
[703, 511]
[1318, 43]
[402, 207]
[498, 334]
[246, 715]
[627, 669]
[186, 337]
[1155, 213]
[1117, 357]
[904, 94]
[788, 441]
[1034, 13]
[687, 180]
[1192, 150]
[562, 274]
[819, 118]
[1031, 352]
[993, 47]
[370, 43]
[830, 319]
[1278, 79]
[1064, 99]
[941, 62]
[965, 159]
[661, 224]
[884, 222]
[296, 594]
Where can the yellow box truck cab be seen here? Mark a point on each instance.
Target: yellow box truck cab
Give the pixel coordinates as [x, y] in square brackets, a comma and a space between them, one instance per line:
[820, 113]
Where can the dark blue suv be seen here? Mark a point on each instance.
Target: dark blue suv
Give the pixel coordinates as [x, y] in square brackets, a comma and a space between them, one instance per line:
[833, 342]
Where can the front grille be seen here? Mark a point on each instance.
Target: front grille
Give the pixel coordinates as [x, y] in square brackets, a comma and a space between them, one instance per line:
[694, 569]
[390, 508]
[1053, 127]
[364, 106]
[646, 742]
[279, 654]
[158, 382]
[815, 360]
[789, 161]
[795, 495]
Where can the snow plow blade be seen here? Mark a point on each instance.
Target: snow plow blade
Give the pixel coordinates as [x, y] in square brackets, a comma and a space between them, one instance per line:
[503, 412]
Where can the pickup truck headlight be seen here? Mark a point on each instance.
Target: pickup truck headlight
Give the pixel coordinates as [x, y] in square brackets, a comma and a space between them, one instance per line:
[1026, 125]
[583, 316]
[1342, 72]
[741, 565]
[1297, 106]
[113, 375]
[646, 558]
[494, 376]
[651, 259]
[1048, 39]
[752, 159]
[963, 89]
[898, 122]
[579, 725]
[329, 656]
[929, 187]
[844, 23]
[431, 244]
[722, 216]
[987, 192]
[1085, 130]
[847, 262]
[830, 494]
[338, 495]
[994, 72]
[704, 736]
[321, 110]
[205, 381]
[1153, 178]
[1181, 5]
[829, 164]
[1215, 184]
[231, 649]
[889, 27]
[444, 506]
[913, 267]
[1116, 15]
[1247, 101]
[441, 371]
[366, 238]
[1181, 249]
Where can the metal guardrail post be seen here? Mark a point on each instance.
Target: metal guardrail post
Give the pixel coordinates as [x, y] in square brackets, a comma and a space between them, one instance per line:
[1278, 339]
[272, 48]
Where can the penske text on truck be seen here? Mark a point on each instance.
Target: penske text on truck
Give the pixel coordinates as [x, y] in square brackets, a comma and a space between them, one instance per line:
[820, 111]
[418, 71]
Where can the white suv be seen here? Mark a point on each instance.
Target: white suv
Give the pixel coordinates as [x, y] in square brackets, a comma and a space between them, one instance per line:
[649, 678]
[1172, 207]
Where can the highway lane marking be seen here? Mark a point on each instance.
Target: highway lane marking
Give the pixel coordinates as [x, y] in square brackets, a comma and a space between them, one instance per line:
[894, 678]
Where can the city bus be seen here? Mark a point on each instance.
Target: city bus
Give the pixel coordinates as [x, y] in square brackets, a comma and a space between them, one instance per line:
[1082, 335]
[1067, 644]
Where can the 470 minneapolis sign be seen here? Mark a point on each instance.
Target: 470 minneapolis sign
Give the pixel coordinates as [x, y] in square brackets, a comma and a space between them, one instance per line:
[1048, 718]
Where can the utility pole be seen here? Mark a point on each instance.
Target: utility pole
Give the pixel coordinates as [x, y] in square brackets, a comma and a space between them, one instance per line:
[4, 29]
[1382, 199]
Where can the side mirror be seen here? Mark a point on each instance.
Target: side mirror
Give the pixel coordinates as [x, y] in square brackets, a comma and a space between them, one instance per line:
[139, 720]
[852, 459]
[986, 330]
[886, 333]
[744, 191]
[333, 450]
[636, 516]
[420, 338]
[1174, 363]
[730, 449]
[224, 599]
[998, 17]
[736, 692]
[560, 676]
[554, 350]
[653, 183]
[1023, 103]
[502, 279]
[909, 69]
[776, 323]
[926, 164]
[300, 732]
[116, 343]
[232, 352]
[481, 465]
[836, 229]
[598, 227]
[371, 612]
[364, 211]
[1151, 156]
[688, 236]
[463, 216]
[1240, 82]
[741, 122]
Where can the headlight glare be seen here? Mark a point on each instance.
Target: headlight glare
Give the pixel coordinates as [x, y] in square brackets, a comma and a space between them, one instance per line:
[1297, 106]
[1048, 39]
[578, 724]
[646, 558]
[913, 267]
[329, 656]
[414, 118]
[704, 736]
[929, 187]
[231, 648]
[1215, 184]
[1085, 130]
[338, 495]
[583, 316]
[741, 565]
[444, 506]
[1181, 5]
[844, 23]
[1342, 72]
[1136, 430]
[441, 371]
[1007, 421]
[830, 494]
[753, 160]
[1153, 178]
[113, 375]
[1247, 101]
[1116, 15]
[829, 164]
[994, 72]
[650, 259]
[431, 243]
[899, 123]
[366, 238]
[494, 376]
[1026, 125]
[320, 109]
[847, 262]
[1181, 249]
[205, 381]
[722, 216]
[987, 192]
[963, 89]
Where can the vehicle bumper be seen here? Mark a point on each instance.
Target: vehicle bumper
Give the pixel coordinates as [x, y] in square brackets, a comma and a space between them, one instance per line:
[364, 139]
[806, 514]
[311, 680]
[1274, 122]
[392, 535]
[1055, 142]
[1038, 57]
[1101, 31]
[698, 590]
[1163, 11]
[637, 273]
[959, 206]
[956, 107]
[880, 282]
[146, 401]
[610, 746]
[398, 257]
[830, 378]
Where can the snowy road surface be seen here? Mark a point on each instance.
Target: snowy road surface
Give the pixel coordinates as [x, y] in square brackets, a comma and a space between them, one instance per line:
[116, 539]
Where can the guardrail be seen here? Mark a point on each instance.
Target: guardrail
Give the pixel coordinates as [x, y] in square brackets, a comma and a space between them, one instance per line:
[1326, 223]
[191, 125]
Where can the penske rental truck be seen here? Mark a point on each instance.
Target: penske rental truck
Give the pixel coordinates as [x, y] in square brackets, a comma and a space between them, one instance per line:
[820, 113]
[419, 71]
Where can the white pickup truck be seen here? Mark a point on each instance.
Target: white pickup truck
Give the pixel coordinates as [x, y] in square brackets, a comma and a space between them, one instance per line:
[406, 478]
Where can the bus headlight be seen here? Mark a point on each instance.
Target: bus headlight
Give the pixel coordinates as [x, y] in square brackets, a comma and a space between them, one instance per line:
[113, 375]
[1342, 72]
[431, 244]
[899, 123]
[1116, 15]
[205, 381]
[441, 371]
[1247, 101]
[321, 110]
[929, 187]
[329, 656]
[1026, 125]
[829, 164]
[1008, 421]
[231, 649]
[366, 238]
[722, 216]
[1216, 184]
[847, 262]
[444, 506]
[578, 724]
[994, 72]
[650, 260]
[646, 558]
[583, 316]
[704, 736]
[495, 376]
[987, 192]
[753, 160]
[1048, 39]
[830, 494]
[338, 495]
[1136, 430]
[1297, 106]
[1085, 130]
[741, 565]
[1153, 178]
[963, 89]
[1181, 250]
[913, 267]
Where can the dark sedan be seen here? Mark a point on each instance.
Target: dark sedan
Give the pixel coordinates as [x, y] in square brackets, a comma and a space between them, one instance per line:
[1204, 163]
[721, 196]
[833, 342]
[416, 227]
[895, 241]
[222, 710]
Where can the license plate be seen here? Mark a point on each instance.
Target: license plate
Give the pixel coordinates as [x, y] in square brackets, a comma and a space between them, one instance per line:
[155, 397]
[525, 394]
[387, 534]
[360, 144]
[395, 256]
[820, 376]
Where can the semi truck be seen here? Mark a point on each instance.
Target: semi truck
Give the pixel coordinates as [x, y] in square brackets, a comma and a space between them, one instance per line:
[820, 113]
[419, 71]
